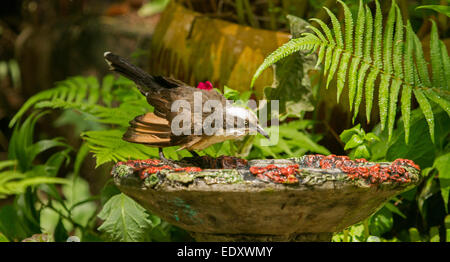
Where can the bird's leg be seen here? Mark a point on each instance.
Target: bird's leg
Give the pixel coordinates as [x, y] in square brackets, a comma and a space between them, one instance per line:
[165, 160]
[194, 154]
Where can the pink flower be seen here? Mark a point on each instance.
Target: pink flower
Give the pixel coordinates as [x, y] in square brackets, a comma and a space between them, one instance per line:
[205, 85]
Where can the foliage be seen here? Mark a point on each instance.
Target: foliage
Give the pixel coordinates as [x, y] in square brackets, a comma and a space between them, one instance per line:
[294, 140]
[438, 8]
[291, 85]
[396, 57]
[50, 208]
[11, 68]
[357, 139]
[153, 7]
[125, 220]
[86, 95]
[18, 173]
[420, 213]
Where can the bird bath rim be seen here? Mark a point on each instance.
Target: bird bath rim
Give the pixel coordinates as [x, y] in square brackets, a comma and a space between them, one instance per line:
[252, 203]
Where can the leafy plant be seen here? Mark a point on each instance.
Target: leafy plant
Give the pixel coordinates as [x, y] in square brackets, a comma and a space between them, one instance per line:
[438, 8]
[418, 214]
[294, 141]
[357, 139]
[25, 177]
[395, 57]
[114, 102]
[125, 220]
[18, 173]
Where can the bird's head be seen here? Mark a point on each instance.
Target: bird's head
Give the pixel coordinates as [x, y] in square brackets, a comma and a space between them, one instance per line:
[242, 121]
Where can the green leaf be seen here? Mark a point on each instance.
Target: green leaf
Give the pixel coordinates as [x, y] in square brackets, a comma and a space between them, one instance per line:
[397, 57]
[326, 29]
[349, 26]
[394, 209]
[395, 89]
[445, 64]
[381, 222]
[414, 235]
[363, 39]
[434, 234]
[388, 40]
[354, 141]
[370, 83]
[409, 78]
[152, 7]
[7, 163]
[84, 94]
[108, 145]
[42, 146]
[295, 138]
[3, 238]
[336, 28]
[442, 164]
[293, 46]
[60, 233]
[230, 93]
[420, 148]
[342, 74]
[442, 101]
[124, 220]
[10, 224]
[361, 152]
[426, 110]
[422, 65]
[108, 191]
[383, 99]
[437, 63]
[78, 199]
[292, 85]
[438, 8]
[347, 134]
[81, 156]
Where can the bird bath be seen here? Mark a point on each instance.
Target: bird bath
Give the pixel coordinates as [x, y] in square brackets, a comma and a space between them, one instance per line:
[297, 199]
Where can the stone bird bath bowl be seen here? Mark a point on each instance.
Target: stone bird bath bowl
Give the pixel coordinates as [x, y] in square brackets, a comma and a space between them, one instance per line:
[298, 199]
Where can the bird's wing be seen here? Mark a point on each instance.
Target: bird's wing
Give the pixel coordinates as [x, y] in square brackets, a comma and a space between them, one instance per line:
[149, 129]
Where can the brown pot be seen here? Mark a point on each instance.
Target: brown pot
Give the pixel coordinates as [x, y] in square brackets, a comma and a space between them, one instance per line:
[193, 47]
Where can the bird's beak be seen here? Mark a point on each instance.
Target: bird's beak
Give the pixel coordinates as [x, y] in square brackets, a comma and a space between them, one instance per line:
[262, 132]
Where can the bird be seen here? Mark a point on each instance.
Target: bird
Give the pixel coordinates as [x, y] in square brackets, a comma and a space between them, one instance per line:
[155, 129]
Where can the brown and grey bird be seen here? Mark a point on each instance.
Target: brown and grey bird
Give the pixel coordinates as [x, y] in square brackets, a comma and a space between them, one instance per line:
[154, 129]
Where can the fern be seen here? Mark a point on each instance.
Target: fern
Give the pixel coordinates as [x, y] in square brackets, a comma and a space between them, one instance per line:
[368, 52]
[86, 95]
[20, 172]
[108, 145]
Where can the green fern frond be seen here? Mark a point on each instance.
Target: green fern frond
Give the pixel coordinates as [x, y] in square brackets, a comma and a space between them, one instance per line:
[108, 145]
[85, 94]
[293, 46]
[393, 54]
[436, 58]
[359, 35]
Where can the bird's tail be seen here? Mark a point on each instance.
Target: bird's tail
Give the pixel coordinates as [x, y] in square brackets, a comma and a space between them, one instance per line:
[121, 65]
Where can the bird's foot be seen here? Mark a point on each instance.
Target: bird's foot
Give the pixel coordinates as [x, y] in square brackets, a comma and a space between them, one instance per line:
[194, 154]
[171, 163]
[166, 161]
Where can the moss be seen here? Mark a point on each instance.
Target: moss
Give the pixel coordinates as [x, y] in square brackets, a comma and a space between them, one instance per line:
[181, 177]
[123, 170]
[152, 180]
[225, 176]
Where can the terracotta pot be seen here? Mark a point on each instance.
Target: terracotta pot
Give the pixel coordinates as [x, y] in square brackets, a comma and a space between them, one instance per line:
[193, 47]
